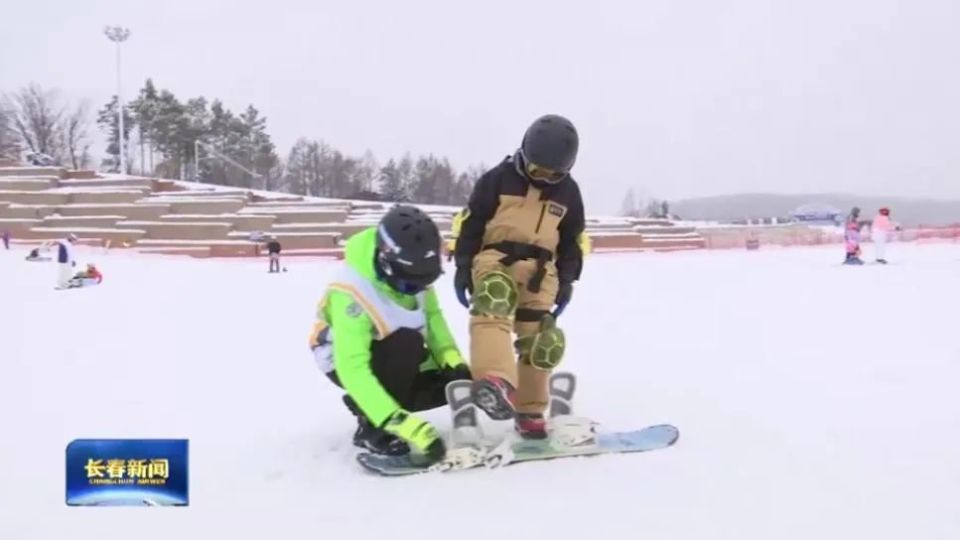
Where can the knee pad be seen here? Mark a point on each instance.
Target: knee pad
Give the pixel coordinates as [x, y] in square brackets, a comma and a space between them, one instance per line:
[543, 350]
[494, 295]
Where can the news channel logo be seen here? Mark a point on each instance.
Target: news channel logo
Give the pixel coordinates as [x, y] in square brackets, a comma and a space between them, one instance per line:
[128, 472]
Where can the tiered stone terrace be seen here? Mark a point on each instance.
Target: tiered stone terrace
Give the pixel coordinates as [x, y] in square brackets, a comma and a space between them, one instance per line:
[172, 217]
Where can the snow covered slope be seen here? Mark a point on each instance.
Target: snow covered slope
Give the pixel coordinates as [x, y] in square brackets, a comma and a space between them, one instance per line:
[814, 401]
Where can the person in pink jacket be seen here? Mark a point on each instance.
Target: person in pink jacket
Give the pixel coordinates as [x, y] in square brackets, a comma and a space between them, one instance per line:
[880, 231]
[851, 237]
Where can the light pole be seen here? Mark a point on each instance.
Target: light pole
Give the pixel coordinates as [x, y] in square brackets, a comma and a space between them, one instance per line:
[118, 35]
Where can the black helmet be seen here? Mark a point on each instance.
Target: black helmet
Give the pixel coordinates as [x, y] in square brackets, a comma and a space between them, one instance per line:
[408, 249]
[550, 148]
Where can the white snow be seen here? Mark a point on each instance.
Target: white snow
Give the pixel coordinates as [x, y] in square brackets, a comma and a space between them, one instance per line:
[117, 205]
[55, 218]
[281, 234]
[173, 223]
[814, 401]
[270, 210]
[20, 220]
[147, 242]
[195, 200]
[295, 226]
[98, 190]
[87, 230]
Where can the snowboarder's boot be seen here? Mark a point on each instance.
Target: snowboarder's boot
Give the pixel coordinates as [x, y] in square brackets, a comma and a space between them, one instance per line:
[882, 261]
[494, 396]
[378, 441]
[372, 438]
[531, 425]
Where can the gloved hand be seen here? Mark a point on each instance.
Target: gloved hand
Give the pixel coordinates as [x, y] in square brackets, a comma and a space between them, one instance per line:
[564, 294]
[463, 283]
[418, 433]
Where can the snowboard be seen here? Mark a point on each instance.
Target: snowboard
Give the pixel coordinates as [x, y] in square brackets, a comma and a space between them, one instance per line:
[569, 436]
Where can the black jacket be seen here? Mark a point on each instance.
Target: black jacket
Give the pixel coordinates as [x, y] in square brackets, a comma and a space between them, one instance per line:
[500, 209]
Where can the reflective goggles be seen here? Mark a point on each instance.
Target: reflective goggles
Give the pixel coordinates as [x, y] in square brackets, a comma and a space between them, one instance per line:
[542, 174]
[406, 283]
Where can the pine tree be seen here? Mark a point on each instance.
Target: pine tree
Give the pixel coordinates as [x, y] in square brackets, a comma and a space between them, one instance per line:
[108, 122]
[144, 110]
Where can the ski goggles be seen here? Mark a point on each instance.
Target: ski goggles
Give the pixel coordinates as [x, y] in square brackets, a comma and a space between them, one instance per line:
[412, 284]
[404, 282]
[542, 174]
[409, 287]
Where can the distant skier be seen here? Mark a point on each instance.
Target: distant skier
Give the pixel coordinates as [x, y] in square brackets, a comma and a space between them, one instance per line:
[6, 239]
[65, 261]
[518, 256]
[381, 334]
[273, 249]
[880, 231]
[851, 236]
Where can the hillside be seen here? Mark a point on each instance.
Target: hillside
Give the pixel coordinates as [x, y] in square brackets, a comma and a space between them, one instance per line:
[909, 211]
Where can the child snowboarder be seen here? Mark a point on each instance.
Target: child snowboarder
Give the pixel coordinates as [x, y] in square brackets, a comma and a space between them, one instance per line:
[382, 337]
[518, 255]
[89, 276]
[880, 231]
[6, 239]
[851, 237]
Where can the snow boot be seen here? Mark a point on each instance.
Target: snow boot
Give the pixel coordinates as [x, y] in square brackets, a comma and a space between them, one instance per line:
[531, 425]
[882, 261]
[372, 438]
[378, 441]
[494, 396]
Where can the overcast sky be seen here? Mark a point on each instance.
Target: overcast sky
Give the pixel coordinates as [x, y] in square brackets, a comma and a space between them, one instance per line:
[676, 98]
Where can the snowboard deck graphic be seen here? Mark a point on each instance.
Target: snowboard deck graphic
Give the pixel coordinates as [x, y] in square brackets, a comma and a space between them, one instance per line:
[469, 449]
[650, 438]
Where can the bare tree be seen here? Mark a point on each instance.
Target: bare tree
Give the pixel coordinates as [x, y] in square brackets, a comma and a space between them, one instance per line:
[37, 118]
[76, 138]
[9, 147]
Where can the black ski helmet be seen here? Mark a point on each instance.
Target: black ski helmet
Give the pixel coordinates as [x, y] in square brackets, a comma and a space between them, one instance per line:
[408, 249]
[551, 142]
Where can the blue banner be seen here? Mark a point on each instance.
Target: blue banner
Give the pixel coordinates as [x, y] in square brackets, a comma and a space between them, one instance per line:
[127, 472]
